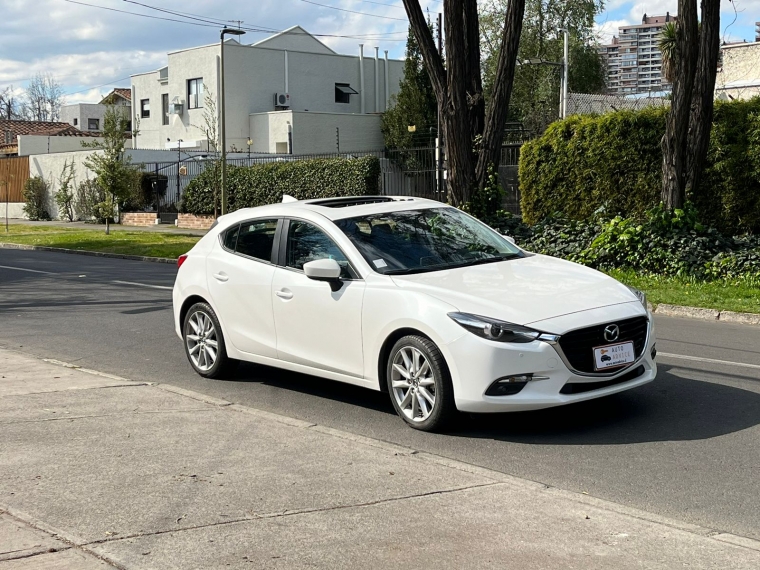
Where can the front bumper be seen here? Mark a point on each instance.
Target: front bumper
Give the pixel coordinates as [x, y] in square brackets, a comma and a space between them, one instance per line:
[475, 363]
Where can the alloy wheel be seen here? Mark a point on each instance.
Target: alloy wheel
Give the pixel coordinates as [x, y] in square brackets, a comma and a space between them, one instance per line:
[413, 383]
[202, 341]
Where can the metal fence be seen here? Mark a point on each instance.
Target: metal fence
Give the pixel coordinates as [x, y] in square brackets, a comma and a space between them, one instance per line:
[403, 172]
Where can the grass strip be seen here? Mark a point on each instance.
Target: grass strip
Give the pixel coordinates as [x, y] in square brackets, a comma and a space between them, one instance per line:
[125, 242]
[720, 295]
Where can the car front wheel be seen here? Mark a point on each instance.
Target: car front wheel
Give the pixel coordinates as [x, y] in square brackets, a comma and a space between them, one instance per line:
[204, 343]
[420, 384]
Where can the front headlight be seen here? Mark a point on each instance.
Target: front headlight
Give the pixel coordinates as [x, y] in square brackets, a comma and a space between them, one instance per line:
[640, 294]
[493, 329]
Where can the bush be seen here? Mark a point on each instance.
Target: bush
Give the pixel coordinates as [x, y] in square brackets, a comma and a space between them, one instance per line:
[35, 195]
[612, 164]
[250, 186]
[672, 244]
[88, 200]
[145, 193]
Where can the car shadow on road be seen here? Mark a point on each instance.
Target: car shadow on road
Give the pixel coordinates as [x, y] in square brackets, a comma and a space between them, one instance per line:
[672, 408]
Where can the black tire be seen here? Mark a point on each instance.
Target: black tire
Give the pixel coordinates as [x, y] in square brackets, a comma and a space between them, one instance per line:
[443, 409]
[223, 366]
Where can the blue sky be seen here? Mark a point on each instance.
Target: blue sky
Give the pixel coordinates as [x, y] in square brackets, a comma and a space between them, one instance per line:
[89, 48]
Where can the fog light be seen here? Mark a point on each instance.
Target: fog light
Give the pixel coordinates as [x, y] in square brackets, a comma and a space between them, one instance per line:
[509, 385]
[654, 351]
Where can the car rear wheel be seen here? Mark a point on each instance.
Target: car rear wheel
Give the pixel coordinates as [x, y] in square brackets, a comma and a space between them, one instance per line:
[204, 343]
[420, 384]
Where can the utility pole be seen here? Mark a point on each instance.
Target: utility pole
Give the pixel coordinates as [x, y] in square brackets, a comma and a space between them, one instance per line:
[222, 118]
[565, 74]
[439, 137]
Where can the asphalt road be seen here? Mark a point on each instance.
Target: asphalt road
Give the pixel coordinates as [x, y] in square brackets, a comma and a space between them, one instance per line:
[685, 446]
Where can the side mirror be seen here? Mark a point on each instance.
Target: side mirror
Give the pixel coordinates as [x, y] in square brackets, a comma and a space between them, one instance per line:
[324, 270]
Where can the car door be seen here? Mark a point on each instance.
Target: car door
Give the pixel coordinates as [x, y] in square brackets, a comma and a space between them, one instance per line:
[240, 272]
[316, 326]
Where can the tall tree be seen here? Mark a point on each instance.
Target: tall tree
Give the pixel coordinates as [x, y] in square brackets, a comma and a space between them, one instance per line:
[536, 91]
[473, 131]
[690, 53]
[10, 106]
[43, 99]
[413, 106]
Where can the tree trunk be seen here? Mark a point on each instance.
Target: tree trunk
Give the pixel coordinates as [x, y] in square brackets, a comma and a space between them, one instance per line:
[703, 96]
[677, 122]
[459, 92]
[493, 134]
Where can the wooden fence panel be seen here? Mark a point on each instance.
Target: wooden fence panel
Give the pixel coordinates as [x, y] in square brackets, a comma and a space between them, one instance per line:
[14, 172]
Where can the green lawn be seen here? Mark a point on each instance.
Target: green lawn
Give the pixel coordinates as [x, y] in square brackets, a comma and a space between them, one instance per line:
[710, 295]
[150, 244]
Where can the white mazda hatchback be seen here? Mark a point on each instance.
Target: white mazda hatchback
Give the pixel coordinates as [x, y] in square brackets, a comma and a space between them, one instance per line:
[411, 297]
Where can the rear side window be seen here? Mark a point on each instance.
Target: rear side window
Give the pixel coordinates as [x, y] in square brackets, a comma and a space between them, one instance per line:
[256, 238]
[230, 238]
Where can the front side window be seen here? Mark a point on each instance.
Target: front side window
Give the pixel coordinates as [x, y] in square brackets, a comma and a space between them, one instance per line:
[415, 241]
[307, 242]
[255, 239]
[145, 108]
[195, 93]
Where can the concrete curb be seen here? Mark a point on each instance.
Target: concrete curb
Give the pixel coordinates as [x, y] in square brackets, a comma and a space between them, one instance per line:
[707, 314]
[496, 476]
[25, 247]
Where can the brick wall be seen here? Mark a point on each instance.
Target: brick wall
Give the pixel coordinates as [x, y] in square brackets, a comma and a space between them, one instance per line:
[138, 219]
[193, 222]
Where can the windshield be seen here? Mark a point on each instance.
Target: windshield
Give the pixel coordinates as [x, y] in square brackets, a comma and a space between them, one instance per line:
[413, 241]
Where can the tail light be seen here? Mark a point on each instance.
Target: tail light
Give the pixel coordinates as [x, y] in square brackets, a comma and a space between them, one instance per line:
[181, 259]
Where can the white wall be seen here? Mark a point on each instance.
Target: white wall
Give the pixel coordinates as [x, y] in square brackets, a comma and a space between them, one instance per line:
[34, 144]
[50, 167]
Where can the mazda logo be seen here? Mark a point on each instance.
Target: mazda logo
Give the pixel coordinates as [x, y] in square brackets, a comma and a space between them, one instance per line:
[611, 333]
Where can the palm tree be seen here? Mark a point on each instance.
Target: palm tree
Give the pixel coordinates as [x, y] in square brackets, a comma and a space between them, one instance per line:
[667, 45]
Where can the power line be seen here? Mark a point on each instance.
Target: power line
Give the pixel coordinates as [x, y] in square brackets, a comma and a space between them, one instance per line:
[136, 14]
[354, 11]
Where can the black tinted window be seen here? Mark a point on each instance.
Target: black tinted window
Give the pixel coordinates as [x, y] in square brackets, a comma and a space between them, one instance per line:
[308, 243]
[255, 239]
[230, 238]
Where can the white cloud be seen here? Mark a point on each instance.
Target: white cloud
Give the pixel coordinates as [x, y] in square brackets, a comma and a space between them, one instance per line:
[603, 31]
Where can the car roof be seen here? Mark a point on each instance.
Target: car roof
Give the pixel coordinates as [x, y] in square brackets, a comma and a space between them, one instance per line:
[336, 208]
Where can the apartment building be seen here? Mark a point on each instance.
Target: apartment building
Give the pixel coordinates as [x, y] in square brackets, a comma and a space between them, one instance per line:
[289, 93]
[633, 60]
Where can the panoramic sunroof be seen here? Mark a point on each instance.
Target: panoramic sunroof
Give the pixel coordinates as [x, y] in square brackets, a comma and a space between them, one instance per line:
[352, 201]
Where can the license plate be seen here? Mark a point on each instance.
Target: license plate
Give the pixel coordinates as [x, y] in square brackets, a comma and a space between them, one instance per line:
[614, 355]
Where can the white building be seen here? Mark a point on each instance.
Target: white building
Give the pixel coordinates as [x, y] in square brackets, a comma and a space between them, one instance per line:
[739, 74]
[88, 117]
[287, 93]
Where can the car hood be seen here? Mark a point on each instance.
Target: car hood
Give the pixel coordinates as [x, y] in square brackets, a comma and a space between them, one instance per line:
[522, 290]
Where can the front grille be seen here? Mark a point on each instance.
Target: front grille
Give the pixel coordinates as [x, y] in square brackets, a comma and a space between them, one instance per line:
[581, 387]
[578, 346]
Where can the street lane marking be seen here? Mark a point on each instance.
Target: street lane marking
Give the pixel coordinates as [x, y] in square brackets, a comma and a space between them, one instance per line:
[143, 285]
[709, 360]
[28, 270]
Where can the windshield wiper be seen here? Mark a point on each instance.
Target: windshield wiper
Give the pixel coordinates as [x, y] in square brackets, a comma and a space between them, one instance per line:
[426, 269]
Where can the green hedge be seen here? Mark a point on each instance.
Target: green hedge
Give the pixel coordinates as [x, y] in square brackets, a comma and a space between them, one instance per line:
[612, 164]
[250, 186]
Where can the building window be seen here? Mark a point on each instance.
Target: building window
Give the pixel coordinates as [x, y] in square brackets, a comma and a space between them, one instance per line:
[145, 108]
[195, 93]
[165, 109]
[343, 92]
[93, 124]
[76, 121]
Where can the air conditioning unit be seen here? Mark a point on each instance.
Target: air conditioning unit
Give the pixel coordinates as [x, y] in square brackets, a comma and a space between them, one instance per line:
[282, 100]
[176, 106]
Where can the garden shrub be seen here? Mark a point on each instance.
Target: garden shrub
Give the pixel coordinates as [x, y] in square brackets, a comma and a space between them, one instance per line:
[612, 163]
[250, 186]
[35, 195]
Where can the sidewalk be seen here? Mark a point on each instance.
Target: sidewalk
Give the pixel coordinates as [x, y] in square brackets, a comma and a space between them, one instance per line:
[100, 472]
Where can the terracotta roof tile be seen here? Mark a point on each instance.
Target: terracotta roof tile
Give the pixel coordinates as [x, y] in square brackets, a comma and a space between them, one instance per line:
[40, 128]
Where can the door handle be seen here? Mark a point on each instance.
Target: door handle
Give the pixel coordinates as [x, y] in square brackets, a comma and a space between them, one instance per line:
[284, 294]
[221, 276]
